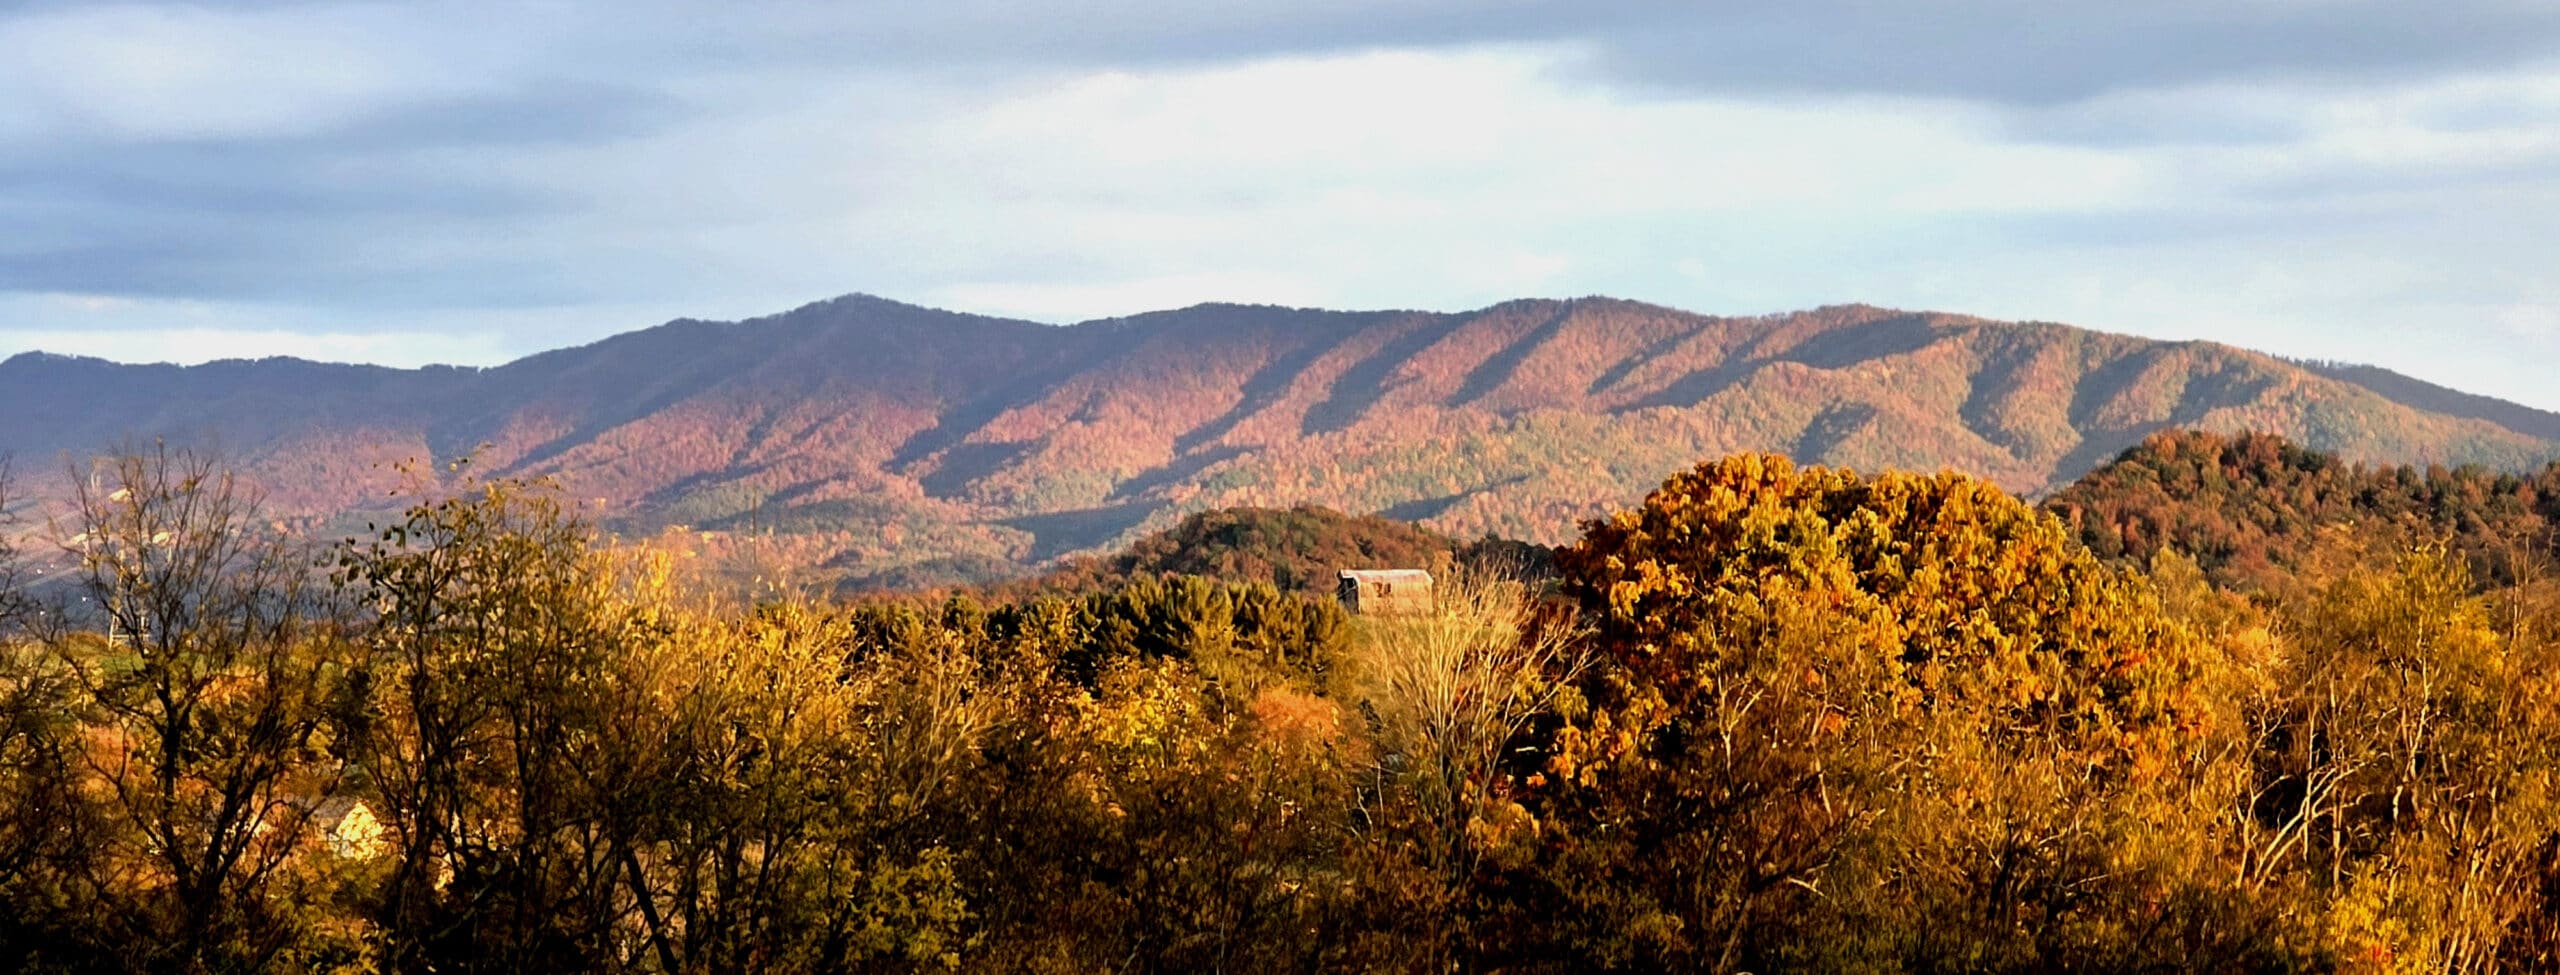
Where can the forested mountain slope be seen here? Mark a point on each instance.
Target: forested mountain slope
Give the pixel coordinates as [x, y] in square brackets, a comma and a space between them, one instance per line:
[872, 439]
[2253, 510]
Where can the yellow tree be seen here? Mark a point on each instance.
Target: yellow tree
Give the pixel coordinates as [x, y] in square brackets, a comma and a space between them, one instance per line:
[2410, 763]
[1842, 721]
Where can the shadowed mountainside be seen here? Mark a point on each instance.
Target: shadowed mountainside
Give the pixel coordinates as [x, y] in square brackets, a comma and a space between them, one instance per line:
[876, 439]
[2423, 395]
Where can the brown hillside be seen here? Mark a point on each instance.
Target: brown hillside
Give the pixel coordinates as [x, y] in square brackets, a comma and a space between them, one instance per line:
[874, 437]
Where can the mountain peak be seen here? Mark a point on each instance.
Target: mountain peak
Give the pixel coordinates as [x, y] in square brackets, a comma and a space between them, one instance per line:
[38, 357]
[889, 436]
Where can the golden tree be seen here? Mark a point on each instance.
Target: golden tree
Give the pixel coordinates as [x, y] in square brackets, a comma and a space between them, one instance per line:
[1843, 721]
[2409, 762]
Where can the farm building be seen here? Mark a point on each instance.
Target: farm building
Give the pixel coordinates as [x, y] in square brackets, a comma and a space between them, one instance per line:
[346, 827]
[1386, 591]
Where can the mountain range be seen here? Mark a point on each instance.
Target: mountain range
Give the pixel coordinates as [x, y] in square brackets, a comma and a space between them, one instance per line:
[874, 440]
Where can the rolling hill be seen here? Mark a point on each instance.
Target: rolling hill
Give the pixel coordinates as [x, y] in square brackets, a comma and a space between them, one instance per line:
[2255, 511]
[878, 440]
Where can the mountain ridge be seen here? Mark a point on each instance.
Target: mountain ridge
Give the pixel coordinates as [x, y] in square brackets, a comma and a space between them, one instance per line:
[868, 435]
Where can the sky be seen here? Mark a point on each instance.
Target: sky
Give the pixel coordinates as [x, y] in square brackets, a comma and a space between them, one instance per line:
[468, 182]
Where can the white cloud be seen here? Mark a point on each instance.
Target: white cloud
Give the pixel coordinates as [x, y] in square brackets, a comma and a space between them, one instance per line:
[189, 346]
[2312, 219]
[1067, 302]
[1475, 129]
[1433, 178]
[147, 73]
[2536, 323]
[189, 332]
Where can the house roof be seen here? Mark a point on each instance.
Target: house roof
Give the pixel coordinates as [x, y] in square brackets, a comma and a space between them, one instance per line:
[329, 812]
[1388, 575]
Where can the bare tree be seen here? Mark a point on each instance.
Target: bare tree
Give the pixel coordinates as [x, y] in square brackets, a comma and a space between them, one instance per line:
[44, 817]
[206, 684]
[16, 607]
[491, 645]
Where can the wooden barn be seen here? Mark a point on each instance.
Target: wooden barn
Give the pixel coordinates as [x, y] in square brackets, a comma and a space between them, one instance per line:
[1386, 591]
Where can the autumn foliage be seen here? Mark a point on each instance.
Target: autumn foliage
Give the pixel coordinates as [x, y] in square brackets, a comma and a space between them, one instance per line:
[1852, 724]
[1774, 718]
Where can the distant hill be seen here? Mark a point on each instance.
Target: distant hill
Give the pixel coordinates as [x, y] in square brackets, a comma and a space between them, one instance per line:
[2254, 508]
[896, 445]
[2423, 395]
[1299, 549]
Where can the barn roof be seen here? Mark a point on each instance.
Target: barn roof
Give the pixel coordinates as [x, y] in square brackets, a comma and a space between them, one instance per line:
[1387, 575]
[329, 812]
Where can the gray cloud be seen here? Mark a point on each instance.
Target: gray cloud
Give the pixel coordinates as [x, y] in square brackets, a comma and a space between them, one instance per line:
[2029, 53]
[318, 213]
[2020, 52]
[259, 222]
[2016, 52]
[533, 112]
[375, 165]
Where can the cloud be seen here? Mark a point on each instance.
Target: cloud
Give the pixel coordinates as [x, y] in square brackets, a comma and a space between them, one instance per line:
[1398, 178]
[2315, 176]
[189, 346]
[188, 331]
[2006, 51]
[2026, 53]
[127, 73]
